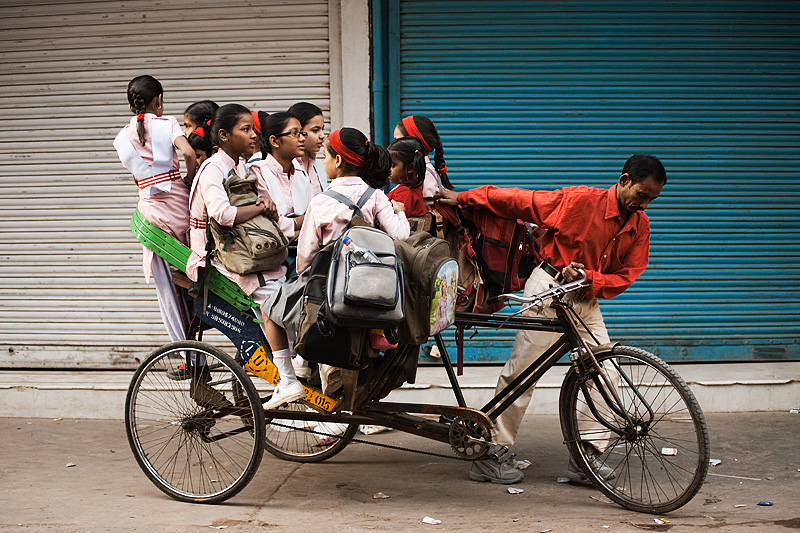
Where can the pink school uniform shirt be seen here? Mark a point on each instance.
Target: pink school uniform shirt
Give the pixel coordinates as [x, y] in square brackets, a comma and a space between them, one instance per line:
[209, 198]
[167, 210]
[276, 184]
[327, 218]
[312, 174]
[430, 186]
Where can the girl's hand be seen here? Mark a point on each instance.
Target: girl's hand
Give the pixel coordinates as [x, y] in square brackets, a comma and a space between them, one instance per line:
[398, 206]
[268, 207]
[446, 197]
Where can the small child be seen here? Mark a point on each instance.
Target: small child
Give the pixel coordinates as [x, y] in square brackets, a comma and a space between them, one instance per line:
[408, 173]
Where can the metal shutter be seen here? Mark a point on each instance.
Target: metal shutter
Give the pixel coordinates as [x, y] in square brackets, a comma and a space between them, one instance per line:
[71, 288]
[553, 94]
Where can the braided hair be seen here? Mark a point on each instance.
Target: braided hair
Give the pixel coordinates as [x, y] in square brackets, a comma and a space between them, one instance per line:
[141, 91]
[430, 137]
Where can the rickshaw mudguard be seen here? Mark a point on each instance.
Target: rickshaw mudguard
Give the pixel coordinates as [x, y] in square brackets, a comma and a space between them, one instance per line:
[604, 348]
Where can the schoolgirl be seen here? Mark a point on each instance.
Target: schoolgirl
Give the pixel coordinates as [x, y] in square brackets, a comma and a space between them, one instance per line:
[313, 124]
[231, 130]
[282, 143]
[408, 173]
[147, 147]
[258, 118]
[200, 142]
[198, 114]
[352, 164]
[422, 128]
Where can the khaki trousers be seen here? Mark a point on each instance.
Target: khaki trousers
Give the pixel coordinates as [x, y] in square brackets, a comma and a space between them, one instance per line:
[529, 345]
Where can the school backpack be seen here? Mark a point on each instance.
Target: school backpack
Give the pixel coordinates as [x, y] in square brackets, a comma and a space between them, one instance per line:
[506, 249]
[361, 293]
[318, 339]
[251, 246]
[431, 279]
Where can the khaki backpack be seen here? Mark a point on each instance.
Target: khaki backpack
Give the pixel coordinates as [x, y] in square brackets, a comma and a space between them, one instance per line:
[255, 245]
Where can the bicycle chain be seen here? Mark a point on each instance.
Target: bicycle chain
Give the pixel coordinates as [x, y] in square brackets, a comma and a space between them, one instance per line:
[378, 444]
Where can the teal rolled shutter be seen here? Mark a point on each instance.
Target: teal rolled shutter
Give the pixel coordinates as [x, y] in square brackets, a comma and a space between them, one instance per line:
[545, 95]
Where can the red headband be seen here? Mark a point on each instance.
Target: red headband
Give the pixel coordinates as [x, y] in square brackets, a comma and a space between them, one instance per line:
[199, 131]
[256, 122]
[411, 129]
[346, 153]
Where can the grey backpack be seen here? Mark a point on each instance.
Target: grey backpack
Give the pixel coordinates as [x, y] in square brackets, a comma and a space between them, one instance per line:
[364, 294]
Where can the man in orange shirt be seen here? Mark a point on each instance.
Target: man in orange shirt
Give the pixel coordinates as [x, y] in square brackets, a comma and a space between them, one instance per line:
[603, 231]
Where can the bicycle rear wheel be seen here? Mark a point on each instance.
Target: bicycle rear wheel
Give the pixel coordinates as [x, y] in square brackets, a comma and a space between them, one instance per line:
[306, 441]
[659, 457]
[198, 437]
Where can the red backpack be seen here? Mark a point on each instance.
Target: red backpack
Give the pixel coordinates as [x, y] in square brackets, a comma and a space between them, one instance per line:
[505, 251]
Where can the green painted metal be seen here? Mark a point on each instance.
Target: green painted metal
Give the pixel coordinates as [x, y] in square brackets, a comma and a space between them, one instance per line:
[177, 255]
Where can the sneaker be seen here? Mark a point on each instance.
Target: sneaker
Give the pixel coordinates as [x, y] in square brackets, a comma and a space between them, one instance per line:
[283, 395]
[497, 470]
[179, 373]
[574, 473]
[301, 369]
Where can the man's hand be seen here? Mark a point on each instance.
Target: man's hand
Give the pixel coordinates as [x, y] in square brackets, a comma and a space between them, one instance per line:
[446, 197]
[268, 207]
[571, 272]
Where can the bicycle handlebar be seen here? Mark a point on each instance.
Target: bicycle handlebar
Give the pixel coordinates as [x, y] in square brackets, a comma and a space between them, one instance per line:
[560, 290]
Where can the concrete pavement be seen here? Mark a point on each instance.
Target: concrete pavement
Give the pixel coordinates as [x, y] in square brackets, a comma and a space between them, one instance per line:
[106, 490]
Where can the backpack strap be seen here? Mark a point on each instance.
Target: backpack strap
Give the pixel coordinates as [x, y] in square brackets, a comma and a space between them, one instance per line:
[355, 206]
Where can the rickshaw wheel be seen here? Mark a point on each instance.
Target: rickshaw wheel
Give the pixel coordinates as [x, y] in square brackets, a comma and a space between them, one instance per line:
[200, 438]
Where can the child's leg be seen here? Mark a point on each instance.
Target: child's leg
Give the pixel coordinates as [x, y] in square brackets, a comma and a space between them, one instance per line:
[279, 344]
[167, 299]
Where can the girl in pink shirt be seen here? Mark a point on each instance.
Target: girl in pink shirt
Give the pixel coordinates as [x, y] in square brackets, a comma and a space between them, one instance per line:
[353, 164]
[146, 147]
[232, 130]
[422, 128]
[197, 115]
[313, 125]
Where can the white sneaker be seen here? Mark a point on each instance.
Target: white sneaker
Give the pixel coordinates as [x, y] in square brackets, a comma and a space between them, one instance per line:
[282, 395]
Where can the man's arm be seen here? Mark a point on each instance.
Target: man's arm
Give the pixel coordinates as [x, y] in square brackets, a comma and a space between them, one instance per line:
[541, 208]
[635, 262]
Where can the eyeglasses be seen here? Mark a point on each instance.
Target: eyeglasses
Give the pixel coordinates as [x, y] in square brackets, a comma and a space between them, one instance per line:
[293, 133]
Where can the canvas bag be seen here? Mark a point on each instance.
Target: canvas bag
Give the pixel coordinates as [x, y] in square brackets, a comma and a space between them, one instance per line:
[255, 245]
[424, 259]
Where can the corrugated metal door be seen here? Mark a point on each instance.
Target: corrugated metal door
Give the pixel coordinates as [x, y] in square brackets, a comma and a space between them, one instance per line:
[552, 94]
[71, 287]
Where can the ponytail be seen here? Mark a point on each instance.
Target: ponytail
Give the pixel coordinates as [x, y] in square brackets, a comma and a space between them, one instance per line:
[141, 91]
[367, 160]
[422, 128]
[410, 151]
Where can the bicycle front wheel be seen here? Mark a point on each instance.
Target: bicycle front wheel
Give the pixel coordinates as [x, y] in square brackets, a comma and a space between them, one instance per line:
[197, 433]
[649, 452]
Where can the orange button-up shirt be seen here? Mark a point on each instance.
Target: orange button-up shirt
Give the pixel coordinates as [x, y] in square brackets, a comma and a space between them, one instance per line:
[582, 225]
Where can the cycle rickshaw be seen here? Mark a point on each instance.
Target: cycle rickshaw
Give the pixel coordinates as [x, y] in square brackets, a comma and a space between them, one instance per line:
[201, 439]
